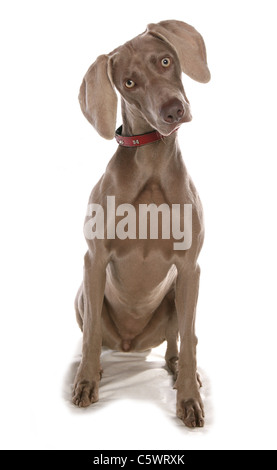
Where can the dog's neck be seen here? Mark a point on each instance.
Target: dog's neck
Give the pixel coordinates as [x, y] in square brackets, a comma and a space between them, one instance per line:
[133, 121]
[160, 161]
[134, 124]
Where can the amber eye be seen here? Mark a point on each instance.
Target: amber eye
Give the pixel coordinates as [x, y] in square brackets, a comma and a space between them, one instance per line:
[129, 84]
[165, 62]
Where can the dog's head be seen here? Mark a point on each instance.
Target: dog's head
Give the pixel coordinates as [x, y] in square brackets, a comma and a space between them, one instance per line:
[147, 73]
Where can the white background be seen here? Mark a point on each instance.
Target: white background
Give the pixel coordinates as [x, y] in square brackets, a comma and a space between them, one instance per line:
[51, 158]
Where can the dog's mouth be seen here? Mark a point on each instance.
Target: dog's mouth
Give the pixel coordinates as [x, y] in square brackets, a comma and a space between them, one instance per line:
[168, 128]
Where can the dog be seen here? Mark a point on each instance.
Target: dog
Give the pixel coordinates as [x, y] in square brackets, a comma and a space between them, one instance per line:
[138, 292]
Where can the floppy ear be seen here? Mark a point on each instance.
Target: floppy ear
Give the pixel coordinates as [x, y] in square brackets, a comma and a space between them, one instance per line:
[98, 99]
[188, 44]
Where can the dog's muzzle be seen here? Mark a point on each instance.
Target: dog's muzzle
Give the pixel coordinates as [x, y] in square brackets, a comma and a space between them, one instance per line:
[172, 111]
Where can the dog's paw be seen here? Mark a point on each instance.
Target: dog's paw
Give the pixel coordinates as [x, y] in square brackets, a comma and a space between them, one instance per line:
[191, 412]
[85, 393]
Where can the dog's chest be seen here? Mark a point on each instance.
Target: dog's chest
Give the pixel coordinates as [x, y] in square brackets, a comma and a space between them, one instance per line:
[152, 193]
[148, 224]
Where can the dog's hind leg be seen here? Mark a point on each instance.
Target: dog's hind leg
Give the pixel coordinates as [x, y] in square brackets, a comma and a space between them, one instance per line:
[79, 306]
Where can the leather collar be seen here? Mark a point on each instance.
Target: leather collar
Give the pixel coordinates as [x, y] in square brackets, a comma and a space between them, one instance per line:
[138, 140]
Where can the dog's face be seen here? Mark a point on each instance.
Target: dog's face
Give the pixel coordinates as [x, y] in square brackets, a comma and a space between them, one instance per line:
[147, 73]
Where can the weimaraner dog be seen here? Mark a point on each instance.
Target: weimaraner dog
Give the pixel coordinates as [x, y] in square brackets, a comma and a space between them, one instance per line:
[139, 291]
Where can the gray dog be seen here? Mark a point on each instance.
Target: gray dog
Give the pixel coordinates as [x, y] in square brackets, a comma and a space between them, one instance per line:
[139, 291]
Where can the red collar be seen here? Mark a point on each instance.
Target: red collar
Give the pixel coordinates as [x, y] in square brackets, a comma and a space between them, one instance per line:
[138, 140]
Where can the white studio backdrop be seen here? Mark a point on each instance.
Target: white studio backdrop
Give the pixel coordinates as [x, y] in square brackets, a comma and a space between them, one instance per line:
[51, 158]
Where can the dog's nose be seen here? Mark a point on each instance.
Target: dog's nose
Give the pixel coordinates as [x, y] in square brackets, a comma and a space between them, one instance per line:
[172, 111]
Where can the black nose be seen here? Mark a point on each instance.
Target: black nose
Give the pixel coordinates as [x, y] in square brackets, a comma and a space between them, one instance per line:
[172, 111]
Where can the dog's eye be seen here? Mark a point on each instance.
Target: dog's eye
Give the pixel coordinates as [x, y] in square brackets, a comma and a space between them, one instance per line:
[129, 84]
[165, 62]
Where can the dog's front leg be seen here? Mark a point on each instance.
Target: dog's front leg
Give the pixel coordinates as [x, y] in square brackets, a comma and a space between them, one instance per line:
[189, 403]
[86, 383]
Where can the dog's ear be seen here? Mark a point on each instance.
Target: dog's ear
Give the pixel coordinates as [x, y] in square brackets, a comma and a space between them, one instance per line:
[98, 99]
[188, 44]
